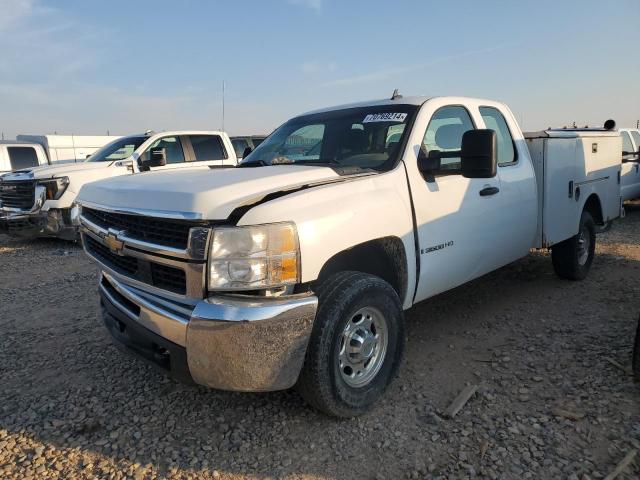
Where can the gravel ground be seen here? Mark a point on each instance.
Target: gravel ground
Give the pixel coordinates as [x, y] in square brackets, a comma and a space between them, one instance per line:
[550, 403]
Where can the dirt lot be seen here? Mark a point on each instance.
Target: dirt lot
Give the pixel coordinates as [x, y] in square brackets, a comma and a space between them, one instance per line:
[73, 406]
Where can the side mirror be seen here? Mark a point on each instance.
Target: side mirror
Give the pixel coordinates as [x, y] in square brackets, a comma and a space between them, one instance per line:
[157, 158]
[246, 152]
[428, 163]
[479, 154]
[87, 156]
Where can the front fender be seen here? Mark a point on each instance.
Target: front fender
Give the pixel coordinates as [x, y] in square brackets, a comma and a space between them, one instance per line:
[335, 217]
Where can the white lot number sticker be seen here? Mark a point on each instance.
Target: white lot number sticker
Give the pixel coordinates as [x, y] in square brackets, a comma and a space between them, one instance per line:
[385, 117]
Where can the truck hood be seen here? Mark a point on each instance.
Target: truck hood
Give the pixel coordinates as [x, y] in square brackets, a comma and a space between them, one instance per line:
[50, 171]
[210, 194]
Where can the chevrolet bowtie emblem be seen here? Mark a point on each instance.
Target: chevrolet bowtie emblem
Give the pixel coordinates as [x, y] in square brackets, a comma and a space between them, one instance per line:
[111, 241]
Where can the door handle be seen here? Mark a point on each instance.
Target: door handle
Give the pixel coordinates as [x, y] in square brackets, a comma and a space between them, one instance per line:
[485, 192]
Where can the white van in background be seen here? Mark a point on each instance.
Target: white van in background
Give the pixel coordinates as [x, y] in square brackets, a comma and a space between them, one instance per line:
[630, 172]
[16, 155]
[69, 148]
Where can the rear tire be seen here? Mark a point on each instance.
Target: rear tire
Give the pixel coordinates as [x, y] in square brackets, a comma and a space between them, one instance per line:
[356, 345]
[572, 258]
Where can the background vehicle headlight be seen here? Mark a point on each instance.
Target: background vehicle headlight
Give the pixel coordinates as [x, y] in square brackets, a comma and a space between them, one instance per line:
[55, 187]
[254, 257]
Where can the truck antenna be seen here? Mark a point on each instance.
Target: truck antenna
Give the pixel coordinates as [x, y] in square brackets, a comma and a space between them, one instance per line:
[395, 95]
[223, 85]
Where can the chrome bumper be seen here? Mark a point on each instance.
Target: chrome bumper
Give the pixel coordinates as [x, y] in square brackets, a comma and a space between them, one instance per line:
[231, 343]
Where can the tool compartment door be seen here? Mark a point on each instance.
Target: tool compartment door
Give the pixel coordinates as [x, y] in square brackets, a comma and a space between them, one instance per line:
[560, 211]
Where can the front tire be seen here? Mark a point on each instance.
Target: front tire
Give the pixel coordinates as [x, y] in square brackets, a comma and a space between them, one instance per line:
[356, 345]
[572, 258]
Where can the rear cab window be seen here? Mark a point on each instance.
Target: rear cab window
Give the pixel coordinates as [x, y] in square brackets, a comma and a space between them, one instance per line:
[207, 147]
[22, 157]
[239, 146]
[494, 120]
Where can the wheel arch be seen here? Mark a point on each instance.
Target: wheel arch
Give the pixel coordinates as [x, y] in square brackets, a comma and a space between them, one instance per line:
[383, 257]
[593, 205]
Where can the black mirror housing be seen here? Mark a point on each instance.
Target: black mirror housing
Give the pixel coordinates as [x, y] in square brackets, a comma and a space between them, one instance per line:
[428, 163]
[157, 158]
[479, 154]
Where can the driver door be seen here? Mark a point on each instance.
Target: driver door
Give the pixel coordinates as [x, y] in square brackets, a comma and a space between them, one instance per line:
[455, 215]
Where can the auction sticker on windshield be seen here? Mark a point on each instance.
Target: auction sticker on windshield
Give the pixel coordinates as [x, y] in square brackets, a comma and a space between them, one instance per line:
[385, 117]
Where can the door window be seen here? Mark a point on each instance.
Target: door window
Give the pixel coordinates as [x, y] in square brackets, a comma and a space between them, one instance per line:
[636, 138]
[22, 157]
[444, 134]
[173, 149]
[239, 145]
[207, 147]
[494, 120]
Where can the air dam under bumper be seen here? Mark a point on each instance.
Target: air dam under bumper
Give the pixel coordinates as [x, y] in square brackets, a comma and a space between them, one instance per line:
[230, 343]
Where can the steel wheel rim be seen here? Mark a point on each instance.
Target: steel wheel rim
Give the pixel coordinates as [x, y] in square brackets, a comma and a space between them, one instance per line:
[363, 347]
[584, 244]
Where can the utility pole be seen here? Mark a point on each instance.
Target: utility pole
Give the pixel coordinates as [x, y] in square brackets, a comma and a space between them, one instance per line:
[223, 86]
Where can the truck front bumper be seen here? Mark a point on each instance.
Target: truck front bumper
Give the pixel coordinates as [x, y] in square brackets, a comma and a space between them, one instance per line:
[241, 343]
[51, 223]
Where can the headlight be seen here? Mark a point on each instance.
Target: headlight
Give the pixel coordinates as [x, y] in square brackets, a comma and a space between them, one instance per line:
[249, 258]
[55, 187]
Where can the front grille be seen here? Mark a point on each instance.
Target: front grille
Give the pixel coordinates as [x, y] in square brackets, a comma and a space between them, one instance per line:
[121, 264]
[171, 233]
[18, 194]
[169, 278]
[117, 296]
[161, 276]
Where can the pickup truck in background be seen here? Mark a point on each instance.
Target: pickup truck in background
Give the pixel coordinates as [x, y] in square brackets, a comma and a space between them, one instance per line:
[630, 174]
[39, 201]
[68, 148]
[18, 155]
[246, 144]
[295, 268]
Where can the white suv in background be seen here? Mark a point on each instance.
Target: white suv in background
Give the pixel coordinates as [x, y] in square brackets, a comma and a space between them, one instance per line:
[39, 201]
[630, 173]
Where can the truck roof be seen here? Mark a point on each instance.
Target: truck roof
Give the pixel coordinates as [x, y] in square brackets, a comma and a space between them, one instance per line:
[17, 142]
[401, 100]
[186, 132]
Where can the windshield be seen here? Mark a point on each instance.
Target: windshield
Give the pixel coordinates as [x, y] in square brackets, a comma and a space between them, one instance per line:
[117, 150]
[367, 138]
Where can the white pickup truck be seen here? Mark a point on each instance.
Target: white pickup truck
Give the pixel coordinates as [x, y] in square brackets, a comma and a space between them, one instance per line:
[630, 176]
[295, 268]
[39, 201]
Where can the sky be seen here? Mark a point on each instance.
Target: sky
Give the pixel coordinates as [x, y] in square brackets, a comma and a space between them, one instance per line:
[91, 67]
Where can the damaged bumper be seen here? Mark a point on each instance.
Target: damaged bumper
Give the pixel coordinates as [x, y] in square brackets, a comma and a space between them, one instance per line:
[229, 343]
[61, 223]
